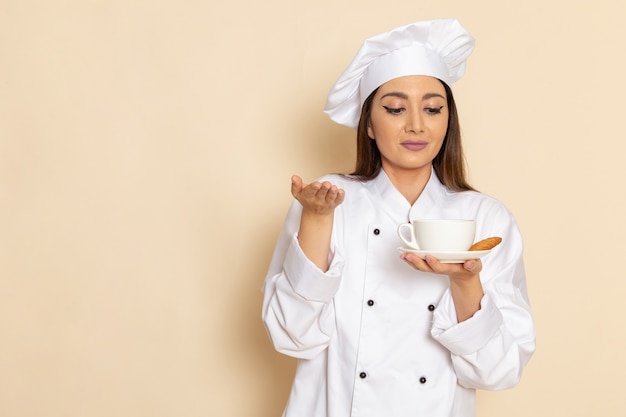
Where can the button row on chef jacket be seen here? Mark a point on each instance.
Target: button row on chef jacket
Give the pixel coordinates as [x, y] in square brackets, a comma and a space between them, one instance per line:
[431, 307]
[371, 303]
[363, 375]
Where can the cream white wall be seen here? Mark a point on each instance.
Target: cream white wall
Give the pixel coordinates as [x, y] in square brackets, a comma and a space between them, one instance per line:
[145, 155]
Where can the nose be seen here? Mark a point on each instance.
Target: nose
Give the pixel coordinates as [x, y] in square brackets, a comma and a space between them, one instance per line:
[414, 121]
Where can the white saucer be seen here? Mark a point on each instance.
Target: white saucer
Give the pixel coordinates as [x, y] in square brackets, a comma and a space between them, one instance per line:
[449, 257]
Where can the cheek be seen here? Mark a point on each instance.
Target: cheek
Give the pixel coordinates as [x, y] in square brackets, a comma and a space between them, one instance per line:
[440, 129]
[439, 147]
[380, 128]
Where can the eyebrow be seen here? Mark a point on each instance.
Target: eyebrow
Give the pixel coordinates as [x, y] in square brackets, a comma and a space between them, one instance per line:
[406, 97]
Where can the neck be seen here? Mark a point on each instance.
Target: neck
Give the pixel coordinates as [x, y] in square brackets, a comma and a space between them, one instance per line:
[410, 183]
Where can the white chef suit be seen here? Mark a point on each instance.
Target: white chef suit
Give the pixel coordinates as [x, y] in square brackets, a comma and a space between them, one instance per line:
[375, 337]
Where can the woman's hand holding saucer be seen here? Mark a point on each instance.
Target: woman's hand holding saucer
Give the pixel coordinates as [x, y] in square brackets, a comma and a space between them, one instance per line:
[459, 271]
[465, 286]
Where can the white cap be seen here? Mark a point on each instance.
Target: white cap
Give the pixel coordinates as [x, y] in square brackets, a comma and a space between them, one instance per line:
[438, 48]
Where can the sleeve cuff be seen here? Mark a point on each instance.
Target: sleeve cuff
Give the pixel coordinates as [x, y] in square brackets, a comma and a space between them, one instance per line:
[307, 279]
[470, 335]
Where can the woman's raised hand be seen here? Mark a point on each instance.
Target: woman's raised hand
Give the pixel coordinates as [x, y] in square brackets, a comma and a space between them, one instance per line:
[319, 201]
[317, 197]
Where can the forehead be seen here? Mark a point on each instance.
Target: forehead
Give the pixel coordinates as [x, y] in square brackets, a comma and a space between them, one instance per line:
[413, 85]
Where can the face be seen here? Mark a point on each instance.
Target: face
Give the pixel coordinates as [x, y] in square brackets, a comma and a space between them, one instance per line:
[408, 121]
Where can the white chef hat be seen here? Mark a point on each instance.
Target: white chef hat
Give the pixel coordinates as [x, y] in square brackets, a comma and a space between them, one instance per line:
[438, 48]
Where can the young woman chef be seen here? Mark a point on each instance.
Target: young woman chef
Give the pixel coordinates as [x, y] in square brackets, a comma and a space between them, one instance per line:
[376, 332]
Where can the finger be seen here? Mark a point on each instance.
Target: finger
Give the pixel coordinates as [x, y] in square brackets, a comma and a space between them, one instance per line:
[338, 196]
[433, 263]
[415, 262]
[318, 191]
[296, 185]
[312, 189]
[446, 268]
[473, 265]
[341, 195]
[325, 188]
[439, 267]
[331, 194]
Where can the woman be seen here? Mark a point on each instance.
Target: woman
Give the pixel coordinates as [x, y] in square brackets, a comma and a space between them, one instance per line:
[382, 334]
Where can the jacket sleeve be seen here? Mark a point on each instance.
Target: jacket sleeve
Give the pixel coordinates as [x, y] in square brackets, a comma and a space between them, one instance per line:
[490, 350]
[297, 296]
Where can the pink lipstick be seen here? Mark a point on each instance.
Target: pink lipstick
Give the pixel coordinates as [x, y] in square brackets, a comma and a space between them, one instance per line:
[414, 145]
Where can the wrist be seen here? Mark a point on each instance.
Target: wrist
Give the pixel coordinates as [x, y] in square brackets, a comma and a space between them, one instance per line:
[315, 217]
[466, 283]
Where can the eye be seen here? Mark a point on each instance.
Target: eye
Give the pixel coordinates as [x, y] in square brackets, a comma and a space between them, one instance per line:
[395, 111]
[433, 110]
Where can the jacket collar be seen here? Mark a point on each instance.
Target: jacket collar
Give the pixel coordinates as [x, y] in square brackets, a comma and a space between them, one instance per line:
[396, 204]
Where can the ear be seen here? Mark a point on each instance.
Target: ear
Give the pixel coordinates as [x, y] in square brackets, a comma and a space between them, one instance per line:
[370, 131]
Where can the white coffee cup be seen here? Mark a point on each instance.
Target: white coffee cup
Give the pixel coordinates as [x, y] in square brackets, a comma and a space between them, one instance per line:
[439, 235]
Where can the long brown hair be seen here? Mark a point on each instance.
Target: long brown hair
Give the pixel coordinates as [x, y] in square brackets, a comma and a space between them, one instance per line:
[449, 164]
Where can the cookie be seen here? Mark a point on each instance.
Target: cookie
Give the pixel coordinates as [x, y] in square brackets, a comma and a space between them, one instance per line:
[486, 244]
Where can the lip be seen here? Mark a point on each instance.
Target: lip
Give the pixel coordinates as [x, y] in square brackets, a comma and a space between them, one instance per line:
[414, 145]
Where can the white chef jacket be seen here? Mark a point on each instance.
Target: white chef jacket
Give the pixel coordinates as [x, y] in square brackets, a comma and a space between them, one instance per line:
[375, 337]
